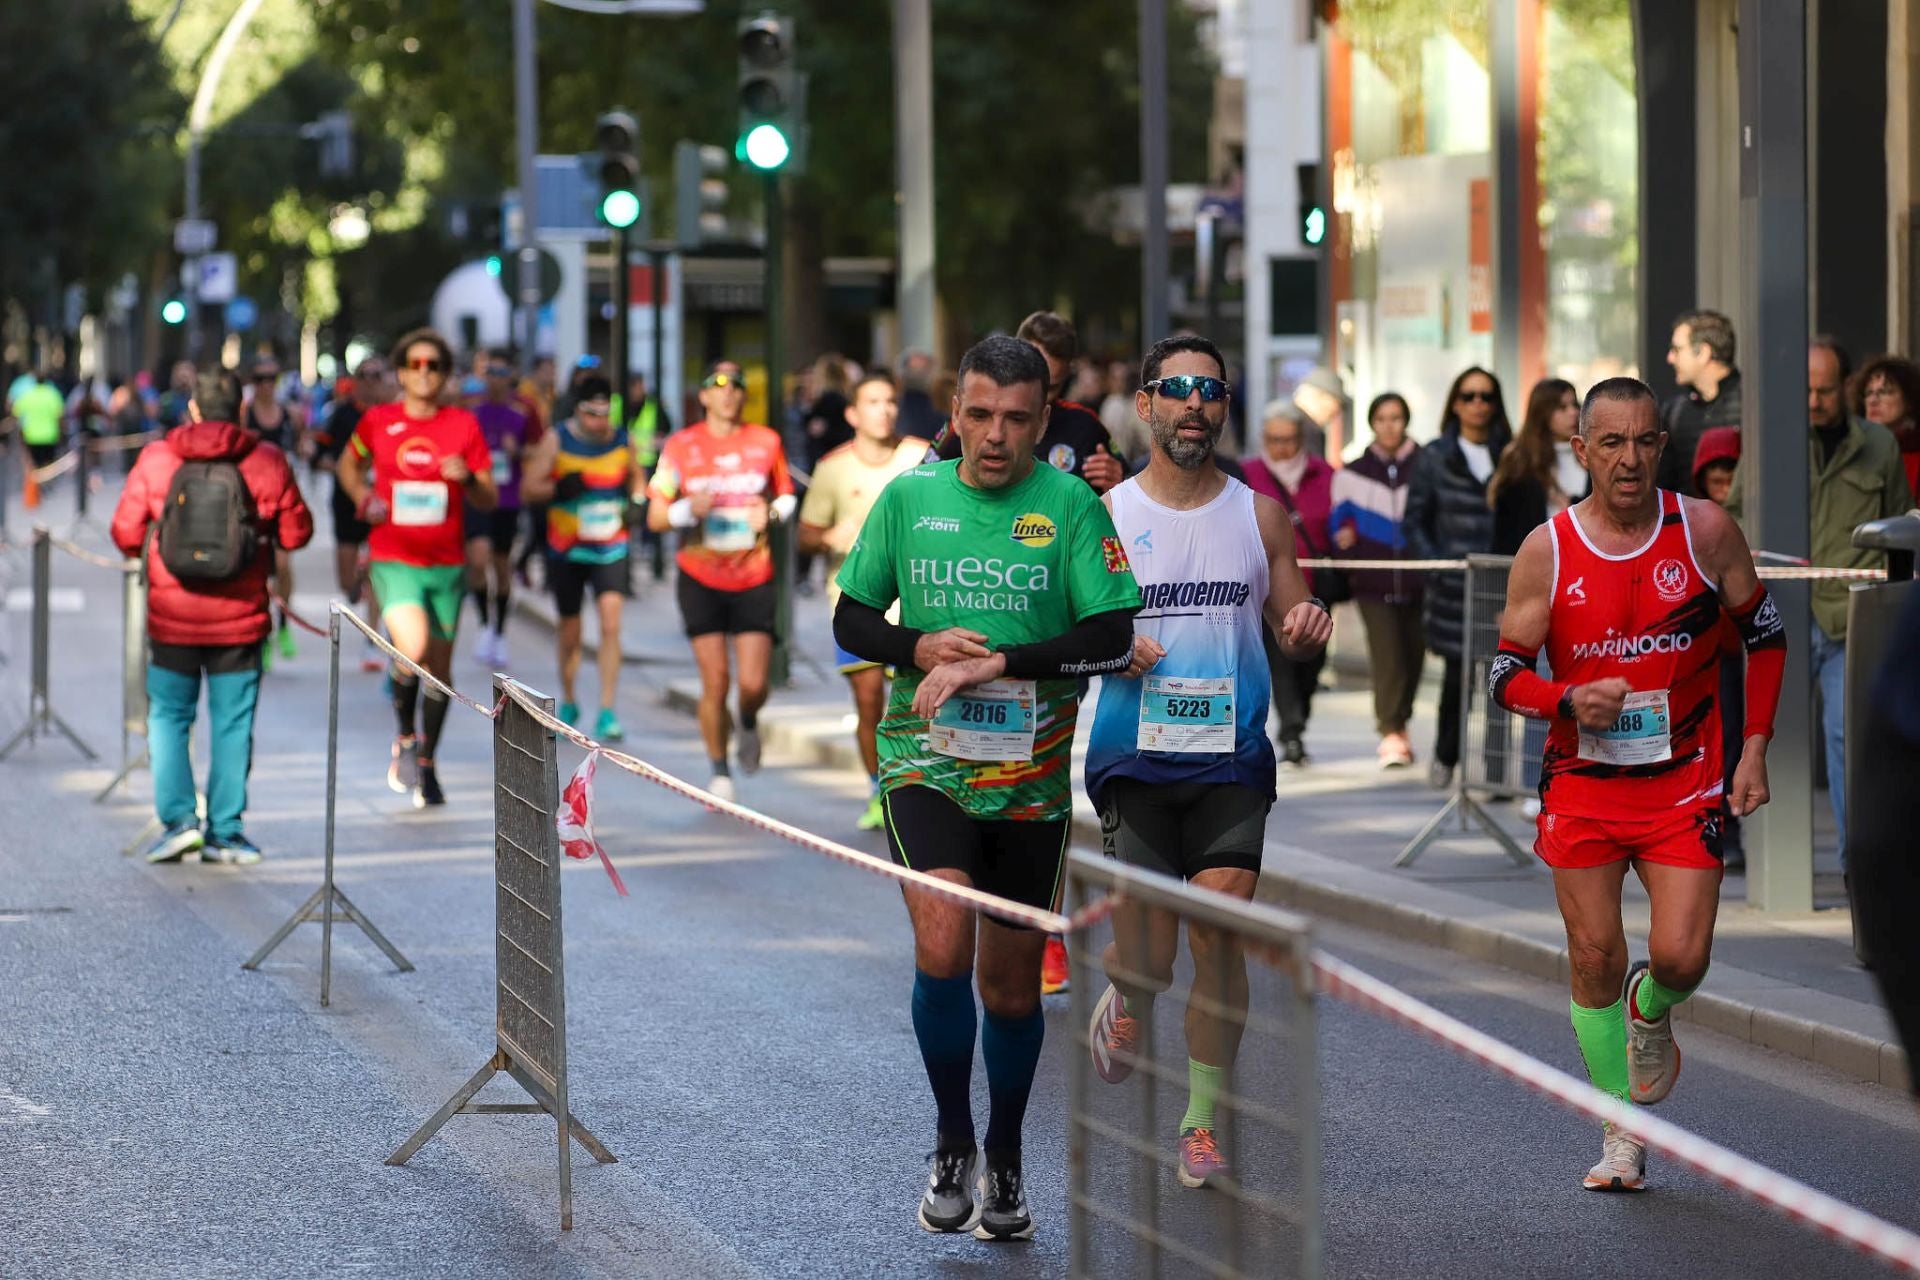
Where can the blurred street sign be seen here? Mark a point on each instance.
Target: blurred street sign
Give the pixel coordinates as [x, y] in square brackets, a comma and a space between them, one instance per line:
[509, 276]
[242, 314]
[193, 236]
[219, 277]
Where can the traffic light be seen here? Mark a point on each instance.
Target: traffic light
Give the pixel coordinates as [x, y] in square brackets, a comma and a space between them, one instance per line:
[173, 311]
[772, 94]
[1313, 214]
[700, 194]
[619, 139]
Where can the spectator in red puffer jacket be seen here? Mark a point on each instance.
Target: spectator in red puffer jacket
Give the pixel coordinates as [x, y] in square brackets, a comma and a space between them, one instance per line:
[215, 627]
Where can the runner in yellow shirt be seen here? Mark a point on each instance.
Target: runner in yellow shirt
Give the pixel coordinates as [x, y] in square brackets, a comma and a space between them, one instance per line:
[844, 487]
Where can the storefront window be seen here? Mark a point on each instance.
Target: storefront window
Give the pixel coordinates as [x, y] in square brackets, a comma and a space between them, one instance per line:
[1410, 109]
[1589, 189]
[1411, 166]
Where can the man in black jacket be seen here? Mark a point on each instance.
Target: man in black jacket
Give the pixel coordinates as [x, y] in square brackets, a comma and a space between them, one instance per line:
[1701, 354]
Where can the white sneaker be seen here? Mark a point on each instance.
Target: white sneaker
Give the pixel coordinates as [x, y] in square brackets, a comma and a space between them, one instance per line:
[499, 651]
[1623, 1163]
[483, 648]
[721, 786]
[1653, 1059]
[746, 750]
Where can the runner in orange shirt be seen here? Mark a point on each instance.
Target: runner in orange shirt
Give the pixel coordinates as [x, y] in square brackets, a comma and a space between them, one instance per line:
[720, 482]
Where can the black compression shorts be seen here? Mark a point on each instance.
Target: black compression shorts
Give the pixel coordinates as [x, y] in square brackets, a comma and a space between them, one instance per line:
[569, 580]
[1025, 861]
[496, 526]
[1183, 828]
[707, 610]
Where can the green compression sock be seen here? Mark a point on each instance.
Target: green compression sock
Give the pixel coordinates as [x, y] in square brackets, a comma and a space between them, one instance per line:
[1603, 1044]
[1652, 998]
[1203, 1083]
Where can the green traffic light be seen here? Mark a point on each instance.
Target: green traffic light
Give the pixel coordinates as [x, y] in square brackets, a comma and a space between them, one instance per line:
[173, 311]
[493, 265]
[620, 209]
[1314, 229]
[765, 147]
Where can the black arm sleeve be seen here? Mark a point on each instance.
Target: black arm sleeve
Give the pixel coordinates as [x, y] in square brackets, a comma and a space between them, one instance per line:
[864, 632]
[1102, 642]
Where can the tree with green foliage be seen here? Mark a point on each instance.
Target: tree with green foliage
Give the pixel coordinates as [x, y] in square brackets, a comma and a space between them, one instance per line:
[1036, 112]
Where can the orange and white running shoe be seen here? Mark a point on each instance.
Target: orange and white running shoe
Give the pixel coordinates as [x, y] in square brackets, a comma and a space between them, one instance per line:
[1200, 1158]
[1112, 1037]
[1623, 1163]
[1054, 973]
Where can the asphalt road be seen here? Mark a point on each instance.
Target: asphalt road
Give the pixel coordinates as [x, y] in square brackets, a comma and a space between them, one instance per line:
[738, 1036]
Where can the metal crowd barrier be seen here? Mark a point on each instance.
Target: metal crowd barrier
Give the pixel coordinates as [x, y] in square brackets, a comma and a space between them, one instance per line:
[42, 719]
[133, 677]
[1127, 1214]
[1498, 751]
[324, 903]
[530, 1018]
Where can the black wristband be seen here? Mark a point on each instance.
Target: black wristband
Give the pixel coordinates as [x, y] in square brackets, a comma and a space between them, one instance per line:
[1565, 709]
[1324, 607]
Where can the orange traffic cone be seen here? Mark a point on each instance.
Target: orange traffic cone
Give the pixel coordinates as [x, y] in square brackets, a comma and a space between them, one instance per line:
[30, 491]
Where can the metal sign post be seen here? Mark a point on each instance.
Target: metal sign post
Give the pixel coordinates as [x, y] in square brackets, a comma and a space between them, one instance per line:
[530, 1018]
[328, 899]
[41, 717]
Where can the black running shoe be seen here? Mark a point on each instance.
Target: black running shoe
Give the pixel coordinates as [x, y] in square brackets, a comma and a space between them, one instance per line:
[1003, 1202]
[949, 1204]
[428, 791]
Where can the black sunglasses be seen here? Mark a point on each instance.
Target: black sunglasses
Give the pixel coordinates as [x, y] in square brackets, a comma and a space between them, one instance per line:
[1476, 397]
[499, 371]
[1182, 385]
[725, 380]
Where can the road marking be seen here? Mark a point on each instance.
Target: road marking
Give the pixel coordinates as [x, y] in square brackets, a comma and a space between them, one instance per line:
[59, 600]
[15, 1109]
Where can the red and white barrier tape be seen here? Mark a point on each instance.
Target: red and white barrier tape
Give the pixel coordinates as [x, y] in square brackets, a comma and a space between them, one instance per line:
[58, 467]
[1795, 572]
[94, 558]
[286, 611]
[1793, 1199]
[426, 677]
[574, 820]
[132, 440]
[979, 900]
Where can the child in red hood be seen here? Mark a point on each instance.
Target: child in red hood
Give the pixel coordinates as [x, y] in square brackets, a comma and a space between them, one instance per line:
[1713, 462]
[214, 627]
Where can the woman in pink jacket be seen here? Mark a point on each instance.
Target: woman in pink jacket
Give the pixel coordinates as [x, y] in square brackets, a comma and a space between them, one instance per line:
[1302, 483]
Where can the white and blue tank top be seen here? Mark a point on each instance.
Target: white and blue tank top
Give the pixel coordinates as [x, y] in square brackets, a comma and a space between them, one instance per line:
[1201, 714]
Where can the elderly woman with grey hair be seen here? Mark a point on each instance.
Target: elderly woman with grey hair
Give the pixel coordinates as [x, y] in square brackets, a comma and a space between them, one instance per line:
[1287, 471]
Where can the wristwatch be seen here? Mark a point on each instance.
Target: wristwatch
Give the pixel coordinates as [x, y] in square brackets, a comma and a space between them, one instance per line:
[1565, 709]
[1320, 604]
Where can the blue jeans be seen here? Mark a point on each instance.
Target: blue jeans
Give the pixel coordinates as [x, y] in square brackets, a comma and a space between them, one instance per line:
[173, 699]
[1828, 661]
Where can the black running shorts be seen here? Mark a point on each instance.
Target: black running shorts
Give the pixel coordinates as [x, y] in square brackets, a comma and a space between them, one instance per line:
[1025, 861]
[1183, 828]
[707, 610]
[497, 526]
[349, 530]
[569, 580]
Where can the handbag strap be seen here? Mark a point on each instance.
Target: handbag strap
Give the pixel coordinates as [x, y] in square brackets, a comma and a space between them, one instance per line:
[1293, 514]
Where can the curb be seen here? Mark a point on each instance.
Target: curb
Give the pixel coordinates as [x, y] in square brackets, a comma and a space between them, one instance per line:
[1850, 1053]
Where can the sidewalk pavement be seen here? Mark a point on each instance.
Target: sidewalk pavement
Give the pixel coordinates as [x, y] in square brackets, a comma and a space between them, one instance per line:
[1786, 982]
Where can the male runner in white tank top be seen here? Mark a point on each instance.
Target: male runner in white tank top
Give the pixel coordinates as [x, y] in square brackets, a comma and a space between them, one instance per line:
[1179, 763]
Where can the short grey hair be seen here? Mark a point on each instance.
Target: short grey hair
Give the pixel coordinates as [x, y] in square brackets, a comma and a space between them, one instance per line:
[1281, 408]
[1618, 390]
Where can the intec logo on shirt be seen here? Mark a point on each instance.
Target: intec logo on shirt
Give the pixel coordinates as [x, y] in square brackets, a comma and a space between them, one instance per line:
[417, 456]
[1034, 530]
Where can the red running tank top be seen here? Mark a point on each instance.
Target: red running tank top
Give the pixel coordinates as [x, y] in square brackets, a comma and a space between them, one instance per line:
[1653, 618]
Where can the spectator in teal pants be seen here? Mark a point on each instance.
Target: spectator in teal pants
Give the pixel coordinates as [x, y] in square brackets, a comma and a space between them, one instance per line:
[217, 502]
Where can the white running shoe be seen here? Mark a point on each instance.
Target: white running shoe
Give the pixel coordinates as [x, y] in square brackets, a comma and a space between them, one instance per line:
[746, 750]
[1112, 1037]
[721, 786]
[500, 661]
[1653, 1059]
[1623, 1163]
[483, 648]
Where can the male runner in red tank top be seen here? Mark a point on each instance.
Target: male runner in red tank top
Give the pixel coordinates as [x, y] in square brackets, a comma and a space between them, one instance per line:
[1627, 590]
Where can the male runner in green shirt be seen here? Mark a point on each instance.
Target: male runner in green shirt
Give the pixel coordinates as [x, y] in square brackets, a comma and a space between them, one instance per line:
[1012, 585]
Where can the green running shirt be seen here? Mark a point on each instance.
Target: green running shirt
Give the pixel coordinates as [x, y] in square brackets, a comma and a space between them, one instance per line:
[1018, 565]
